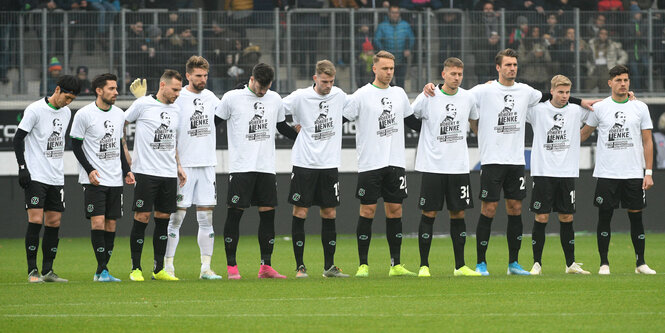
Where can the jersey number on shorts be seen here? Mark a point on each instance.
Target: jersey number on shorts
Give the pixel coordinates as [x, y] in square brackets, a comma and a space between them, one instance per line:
[336, 187]
[572, 197]
[402, 185]
[522, 187]
[465, 192]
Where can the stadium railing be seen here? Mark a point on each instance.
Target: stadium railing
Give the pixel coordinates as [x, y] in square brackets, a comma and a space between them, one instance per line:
[293, 40]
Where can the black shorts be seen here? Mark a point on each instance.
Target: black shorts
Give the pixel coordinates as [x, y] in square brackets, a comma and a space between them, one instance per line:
[43, 196]
[494, 177]
[153, 190]
[388, 183]
[553, 194]
[252, 189]
[437, 188]
[628, 192]
[102, 200]
[314, 187]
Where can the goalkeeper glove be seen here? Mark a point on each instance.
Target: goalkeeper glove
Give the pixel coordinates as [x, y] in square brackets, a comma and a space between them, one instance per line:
[23, 176]
[138, 88]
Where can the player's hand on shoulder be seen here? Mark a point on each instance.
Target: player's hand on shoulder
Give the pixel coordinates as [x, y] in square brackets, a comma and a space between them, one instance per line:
[588, 103]
[24, 176]
[631, 96]
[428, 89]
[297, 127]
[129, 179]
[139, 87]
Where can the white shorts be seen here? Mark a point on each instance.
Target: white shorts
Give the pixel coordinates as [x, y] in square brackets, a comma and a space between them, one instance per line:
[200, 188]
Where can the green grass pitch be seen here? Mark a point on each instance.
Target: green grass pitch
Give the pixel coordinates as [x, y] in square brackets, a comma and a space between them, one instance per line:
[621, 302]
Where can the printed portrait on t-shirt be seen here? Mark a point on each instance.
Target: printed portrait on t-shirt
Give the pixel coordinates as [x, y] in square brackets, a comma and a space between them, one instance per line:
[619, 135]
[323, 110]
[619, 120]
[259, 110]
[199, 124]
[451, 113]
[164, 137]
[166, 120]
[108, 144]
[507, 112]
[556, 136]
[258, 126]
[55, 140]
[387, 118]
[108, 128]
[449, 129]
[556, 128]
[387, 105]
[198, 106]
[323, 125]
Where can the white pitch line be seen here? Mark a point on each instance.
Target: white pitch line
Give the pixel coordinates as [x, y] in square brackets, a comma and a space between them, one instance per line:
[389, 315]
[318, 299]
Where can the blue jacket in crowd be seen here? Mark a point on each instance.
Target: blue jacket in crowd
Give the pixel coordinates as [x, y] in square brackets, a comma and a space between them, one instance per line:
[394, 38]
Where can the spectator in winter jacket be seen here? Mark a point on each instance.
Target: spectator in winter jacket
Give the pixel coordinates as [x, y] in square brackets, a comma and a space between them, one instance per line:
[395, 36]
[606, 54]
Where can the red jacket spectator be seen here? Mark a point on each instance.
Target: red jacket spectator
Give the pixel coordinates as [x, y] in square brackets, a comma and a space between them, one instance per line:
[610, 5]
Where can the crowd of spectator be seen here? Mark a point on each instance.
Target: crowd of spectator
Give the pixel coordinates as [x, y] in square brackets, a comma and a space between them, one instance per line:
[542, 31]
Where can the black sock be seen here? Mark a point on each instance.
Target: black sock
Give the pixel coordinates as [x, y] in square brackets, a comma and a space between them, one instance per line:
[32, 244]
[394, 235]
[109, 243]
[49, 248]
[514, 235]
[329, 241]
[266, 235]
[136, 243]
[483, 230]
[637, 236]
[567, 235]
[298, 238]
[159, 239]
[603, 234]
[97, 238]
[458, 236]
[538, 241]
[425, 231]
[232, 234]
[364, 236]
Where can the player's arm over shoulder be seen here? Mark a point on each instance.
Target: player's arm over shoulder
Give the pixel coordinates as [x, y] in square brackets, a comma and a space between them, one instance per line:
[352, 105]
[478, 91]
[225, 106]
[289, 102]
[535, 96]
[136, 109]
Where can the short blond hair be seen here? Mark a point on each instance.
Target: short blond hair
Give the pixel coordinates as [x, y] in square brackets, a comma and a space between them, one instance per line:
[453, 62]
[325, 67]
[197, 62]
[560, 80]
[383, 54]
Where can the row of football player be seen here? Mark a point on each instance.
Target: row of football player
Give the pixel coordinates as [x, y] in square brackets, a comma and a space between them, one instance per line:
[175, 144]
